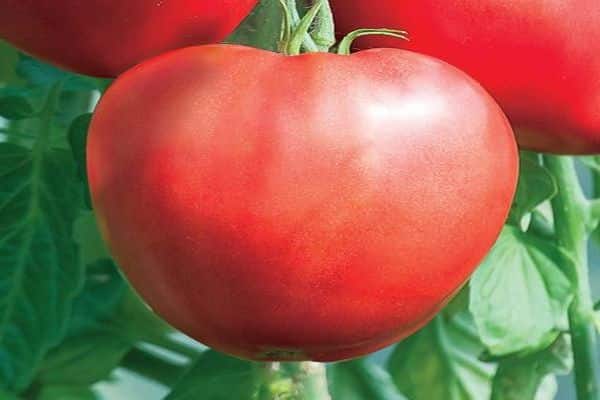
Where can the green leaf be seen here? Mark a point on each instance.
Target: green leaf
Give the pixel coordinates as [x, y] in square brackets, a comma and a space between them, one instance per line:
[8, 396]
[65, 392]
[441, 362]
[18, 102]
[134, 320]
[361, 380]
[522, 377]
[536, 185]
[38, 73]
[94, 346]
[520, 273]
[15, 107]
[8, 62]
[215, 376]
[78, 139]
[89, 240]
[592, 162]
[107, 322]
[103, 292]
[154, 365]
[459, 303]
[261, 28]
[39, 269]
[83, 360]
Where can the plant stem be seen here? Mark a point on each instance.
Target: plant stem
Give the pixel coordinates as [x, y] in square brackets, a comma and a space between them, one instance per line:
[311, 378]
[344, 48]
[294, 19]
[300, 31]
[570, 216]
[293, 381]
[324, 29]
[594, 209]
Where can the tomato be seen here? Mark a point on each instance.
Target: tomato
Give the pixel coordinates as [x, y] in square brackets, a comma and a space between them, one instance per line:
[105, 37]
[538, 58]
[299, 207]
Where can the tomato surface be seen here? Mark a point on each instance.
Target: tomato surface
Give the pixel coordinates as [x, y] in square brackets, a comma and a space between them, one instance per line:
[299, 207]
[105, 37]
[538, 58]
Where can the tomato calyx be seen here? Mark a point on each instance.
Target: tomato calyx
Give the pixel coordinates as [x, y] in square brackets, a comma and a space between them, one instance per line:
[296, 34]
[346, 43]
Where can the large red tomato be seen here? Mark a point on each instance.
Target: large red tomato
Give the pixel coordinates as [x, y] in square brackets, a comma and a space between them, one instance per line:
[105, 37]
[308, 207]
[538, 58]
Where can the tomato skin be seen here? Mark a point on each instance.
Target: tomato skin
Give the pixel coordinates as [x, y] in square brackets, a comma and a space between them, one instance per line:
[538, 58]
[106, 37]
[309, 207]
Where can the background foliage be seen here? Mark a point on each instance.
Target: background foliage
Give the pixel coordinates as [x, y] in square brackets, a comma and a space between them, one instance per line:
[69, 323]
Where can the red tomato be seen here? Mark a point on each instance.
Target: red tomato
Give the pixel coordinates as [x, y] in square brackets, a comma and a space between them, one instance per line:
[105, 37]
[309, 207]
[538, 58]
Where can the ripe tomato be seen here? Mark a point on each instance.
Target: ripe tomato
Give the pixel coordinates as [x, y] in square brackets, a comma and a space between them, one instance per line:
[308, 207]
[105, 37]
[538, 58]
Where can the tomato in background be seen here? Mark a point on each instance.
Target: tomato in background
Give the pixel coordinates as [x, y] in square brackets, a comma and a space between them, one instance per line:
[105, 37]
[540, 59]
[309, 207]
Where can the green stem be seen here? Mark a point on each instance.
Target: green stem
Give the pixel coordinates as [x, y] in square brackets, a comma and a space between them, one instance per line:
[300, 31]
[594, 213]
[594, 208]
[293, 381]
[292, 20]
[273, 384]
[324, 29]
[344, 48]
[570, 215]
[311, 379]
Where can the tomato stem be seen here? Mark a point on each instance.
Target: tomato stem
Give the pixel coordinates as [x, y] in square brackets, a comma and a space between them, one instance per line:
[571, 208]
[295, 30]
[295, 34]
[311, 380]
[291, 22]
[324, 27]
[286, 23]
[301, 30]
[292, 380]
[345, 45]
